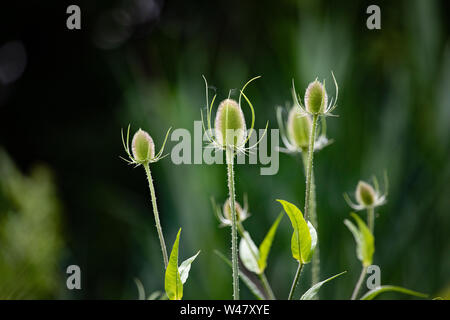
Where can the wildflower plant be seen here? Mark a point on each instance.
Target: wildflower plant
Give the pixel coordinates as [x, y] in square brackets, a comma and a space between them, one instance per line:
[231, 135]
[142, 153]
[368, 197]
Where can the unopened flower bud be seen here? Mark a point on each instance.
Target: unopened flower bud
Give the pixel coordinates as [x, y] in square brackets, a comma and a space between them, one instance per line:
[227, 210]
[142, 146]
[365, 194]
[299, 128]
[230, 124]
[316, 98]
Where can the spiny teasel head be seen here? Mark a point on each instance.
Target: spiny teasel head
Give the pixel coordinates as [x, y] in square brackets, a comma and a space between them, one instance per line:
[142, 148]
[298, 128]
[316, 99]
[367, 195]
[230, 124]
[295, 131]
[224, 214]
[230, 132]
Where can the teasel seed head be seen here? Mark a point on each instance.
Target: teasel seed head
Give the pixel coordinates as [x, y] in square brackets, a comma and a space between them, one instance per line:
[227, 210]
[316, 99]
[230, 124]
[365, 194]
[299, 128]
[142, 147]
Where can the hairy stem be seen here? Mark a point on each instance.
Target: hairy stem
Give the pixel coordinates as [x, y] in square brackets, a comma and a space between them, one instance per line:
[315, 270]
[312, 137]
[234, 248]
[359, 283]
[261, 276]
[155, 212]
[294, 283]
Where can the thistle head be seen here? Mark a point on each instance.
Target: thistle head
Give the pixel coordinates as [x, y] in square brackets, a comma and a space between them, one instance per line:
[365, 194]
[230, 124]
[316, 98]
[298, 128]
[142, 147]
[224, 214]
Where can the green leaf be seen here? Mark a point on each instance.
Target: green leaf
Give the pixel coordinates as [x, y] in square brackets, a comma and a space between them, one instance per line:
[173, 284]
[185, 267]
[374, 292]
[364, 239]
[301, 238]
[140, 288]
[312, 292]
[249, 253]
[264, 247]
[249, 283]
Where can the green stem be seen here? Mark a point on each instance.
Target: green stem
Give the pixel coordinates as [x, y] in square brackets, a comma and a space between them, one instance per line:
[310, 165]
[261, 276]
[234, 248]
[155, 212]
[297, 277]
[315, 270]
[371, 218]
[359, 283]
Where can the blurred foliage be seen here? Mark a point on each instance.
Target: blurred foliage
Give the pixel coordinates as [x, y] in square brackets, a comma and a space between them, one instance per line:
[141, 62]
[30, 239]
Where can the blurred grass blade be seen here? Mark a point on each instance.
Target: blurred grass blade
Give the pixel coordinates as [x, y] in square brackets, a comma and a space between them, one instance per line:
[173, 284]
[265, 246]
[249, 253]
[154, 295]
[312, 292]
[140, 288]
[249, 283]
[185, 267]
[375, 292]
[301, 238]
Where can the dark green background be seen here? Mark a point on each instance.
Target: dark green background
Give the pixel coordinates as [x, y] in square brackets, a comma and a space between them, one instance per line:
[138, 63]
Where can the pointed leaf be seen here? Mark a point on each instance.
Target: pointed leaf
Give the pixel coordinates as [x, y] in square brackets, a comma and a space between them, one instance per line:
[301, 239]
[173, 284]
[367, 245]
[249, 253]
[264, 248]
[357, 236]
[249, 283]
[312, 292]
[374, 292]
[185, 267]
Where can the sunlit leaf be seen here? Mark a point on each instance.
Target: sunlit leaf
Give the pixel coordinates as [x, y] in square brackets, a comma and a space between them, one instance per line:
[249, 283]
[264, 248]
[173, 284]
[185, 267]
[249, 253]
[301, 238]
[312, 292]
[375, 292]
